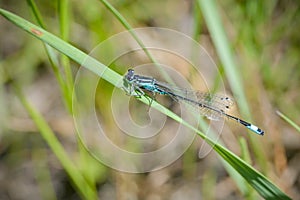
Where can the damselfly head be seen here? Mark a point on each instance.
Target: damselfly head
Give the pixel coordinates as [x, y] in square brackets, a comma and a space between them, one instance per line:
[130, 74]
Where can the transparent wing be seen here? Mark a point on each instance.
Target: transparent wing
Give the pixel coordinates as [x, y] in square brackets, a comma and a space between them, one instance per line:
[213, 106]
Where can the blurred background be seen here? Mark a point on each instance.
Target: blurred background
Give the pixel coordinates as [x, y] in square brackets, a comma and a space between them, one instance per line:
[265, 41]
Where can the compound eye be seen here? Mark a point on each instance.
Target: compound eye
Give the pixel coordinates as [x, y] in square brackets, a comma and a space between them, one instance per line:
[130, 74]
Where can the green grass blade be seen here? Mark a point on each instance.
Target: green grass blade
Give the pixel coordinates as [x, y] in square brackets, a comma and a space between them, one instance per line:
[212, 18]
[128, 27]
[36, 13]
[53, 58]
[258, 181]
[46, 132]
[288, 120]
[245, 155]
[62, 46]
[124, 22]
[213, 21]
[63, 11]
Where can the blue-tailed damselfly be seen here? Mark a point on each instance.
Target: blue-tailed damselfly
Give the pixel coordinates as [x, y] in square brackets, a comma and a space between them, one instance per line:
[212, 106]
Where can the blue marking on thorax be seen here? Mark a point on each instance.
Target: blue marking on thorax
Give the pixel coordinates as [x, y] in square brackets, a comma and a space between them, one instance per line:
[148, 87]
[152, 88]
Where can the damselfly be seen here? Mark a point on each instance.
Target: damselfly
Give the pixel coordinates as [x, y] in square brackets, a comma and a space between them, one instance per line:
[210, 105]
